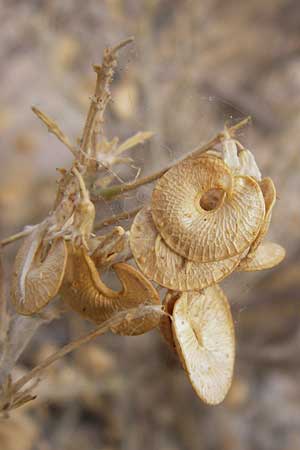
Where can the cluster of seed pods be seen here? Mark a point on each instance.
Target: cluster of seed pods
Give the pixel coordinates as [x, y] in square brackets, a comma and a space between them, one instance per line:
[207, 218]
[61, 256]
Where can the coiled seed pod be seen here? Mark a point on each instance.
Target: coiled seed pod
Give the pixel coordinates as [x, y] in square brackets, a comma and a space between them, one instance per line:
[38, 272]
[84, 291]
[266, 256]
[204, 336]
[192, 231]
[162, 265]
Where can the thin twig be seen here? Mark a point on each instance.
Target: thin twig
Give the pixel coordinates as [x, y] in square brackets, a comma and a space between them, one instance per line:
[115, 190]
[134, 313]
[54, 129]
[99, 100]
[15, 237]
[116, 218]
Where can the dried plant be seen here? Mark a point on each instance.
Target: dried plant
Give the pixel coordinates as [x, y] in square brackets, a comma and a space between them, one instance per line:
[208, 216]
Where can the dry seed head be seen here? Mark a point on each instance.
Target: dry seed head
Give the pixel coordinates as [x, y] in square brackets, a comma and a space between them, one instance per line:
[84, 291]
[162, 265]
[204, 335]
[266, 256]
[38, 272]
[197, 234]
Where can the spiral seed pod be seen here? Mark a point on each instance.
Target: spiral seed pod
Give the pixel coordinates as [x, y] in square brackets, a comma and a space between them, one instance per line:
[199, 235]
[84, 291]
[161, 264]
[266, 256]
[204, 336]
[38, 272]
[269, 194]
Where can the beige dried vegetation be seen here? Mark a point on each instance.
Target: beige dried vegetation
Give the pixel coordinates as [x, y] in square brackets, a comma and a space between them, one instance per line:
[208, 216]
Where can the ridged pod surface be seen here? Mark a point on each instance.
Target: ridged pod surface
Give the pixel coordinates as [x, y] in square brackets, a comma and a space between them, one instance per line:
[195, 233]
[84, 291]
[37, 277]
[266, 256]
[161, 264]
[269, 194]
[204, 335]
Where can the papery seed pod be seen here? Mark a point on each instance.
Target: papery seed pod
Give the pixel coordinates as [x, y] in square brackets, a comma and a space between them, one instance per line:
[266, 256]
[269, 193]
[38, 272]
[192, 231]
[165, 323]
[204, 335]
[162, 265]
[84, 291]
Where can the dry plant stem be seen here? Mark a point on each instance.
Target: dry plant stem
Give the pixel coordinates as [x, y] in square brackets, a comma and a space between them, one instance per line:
[15, 237]
[100, 98]
[116, 218]
[54, 129]
[114, 191]
[134, 313]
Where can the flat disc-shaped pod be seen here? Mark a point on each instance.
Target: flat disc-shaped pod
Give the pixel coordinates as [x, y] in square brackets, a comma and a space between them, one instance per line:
[269, 194]
[204, 335]
[84, 291]
[266, 256]
[38, 272]
[192, 231]
[162, 265]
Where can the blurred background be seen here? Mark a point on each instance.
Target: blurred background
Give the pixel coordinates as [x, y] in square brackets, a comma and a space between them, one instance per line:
[194, 66]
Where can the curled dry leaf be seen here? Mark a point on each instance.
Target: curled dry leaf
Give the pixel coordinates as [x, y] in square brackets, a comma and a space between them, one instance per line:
[84, 291]
[266, 256]
[269, 193]
[38, 272]
[192, 231]
[204, 335]
[161, 264]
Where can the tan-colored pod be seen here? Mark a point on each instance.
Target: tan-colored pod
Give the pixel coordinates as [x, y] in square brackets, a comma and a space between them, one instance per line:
[38, 272]
[162, 265]
[84, 291]
[266, 256]
[269, 193]
[204, 336]
[192, 231]
[165, 323]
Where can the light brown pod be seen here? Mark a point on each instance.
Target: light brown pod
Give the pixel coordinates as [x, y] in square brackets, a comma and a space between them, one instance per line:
[84, 291]
[192, 231]
[269, 194]
[165, 323]
[38, 272]
[266, 256]
[204, 335]
[162, 265]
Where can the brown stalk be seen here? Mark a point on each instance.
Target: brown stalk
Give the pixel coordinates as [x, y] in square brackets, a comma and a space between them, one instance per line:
[116, 218]
[117, 319]
[116, 190]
